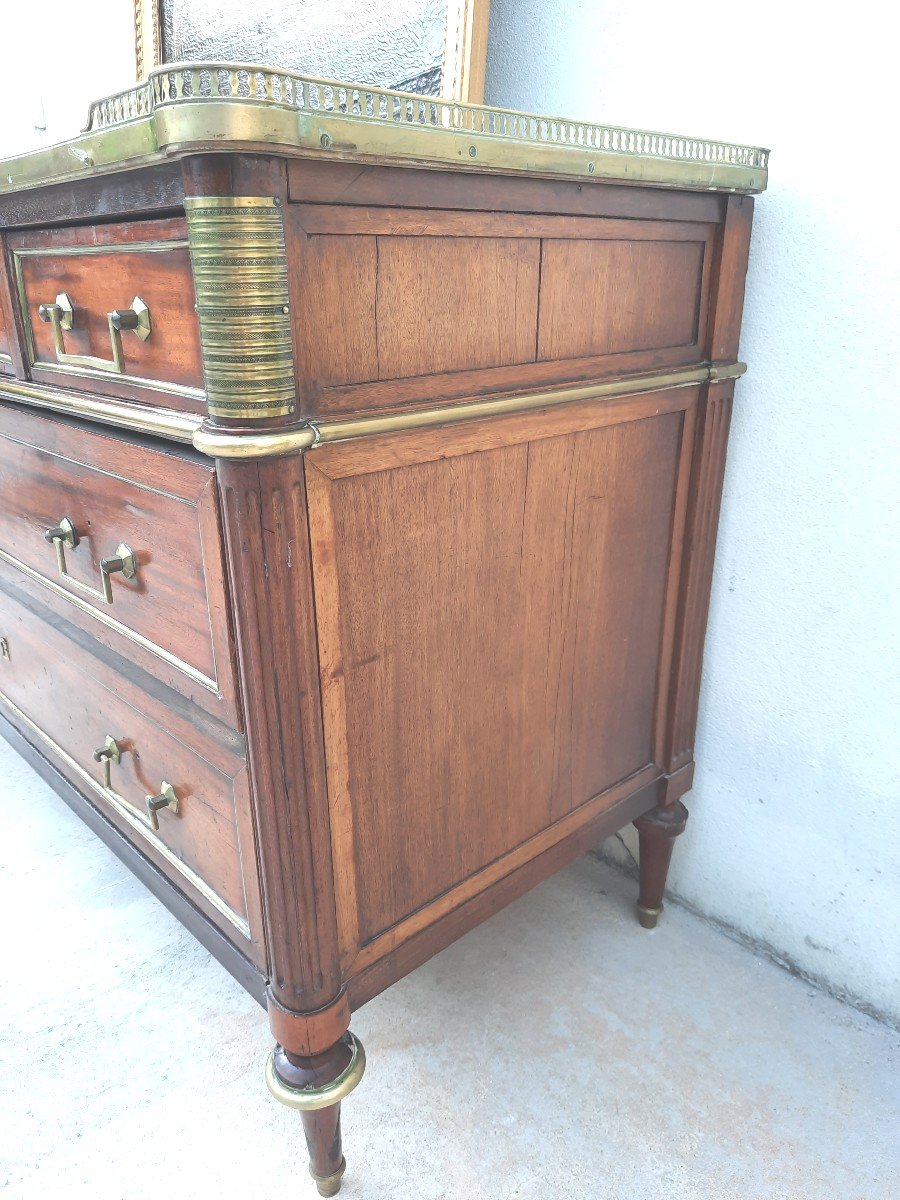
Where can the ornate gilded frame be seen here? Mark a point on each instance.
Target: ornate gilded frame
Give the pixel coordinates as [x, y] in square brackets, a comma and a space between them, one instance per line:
[465, 46]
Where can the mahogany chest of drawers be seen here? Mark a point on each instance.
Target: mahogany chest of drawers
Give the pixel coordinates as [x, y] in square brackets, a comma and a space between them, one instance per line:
[360, 463]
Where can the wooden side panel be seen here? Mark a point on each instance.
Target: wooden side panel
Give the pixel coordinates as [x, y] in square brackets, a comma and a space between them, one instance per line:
[583, 285]
[492, 609]
[446, 304]
[404, 306]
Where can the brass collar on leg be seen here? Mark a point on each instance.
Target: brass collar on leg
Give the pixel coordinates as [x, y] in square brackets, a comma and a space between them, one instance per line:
[315, 1098]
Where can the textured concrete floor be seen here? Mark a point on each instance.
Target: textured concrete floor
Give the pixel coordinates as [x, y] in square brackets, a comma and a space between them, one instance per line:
[559, 1051]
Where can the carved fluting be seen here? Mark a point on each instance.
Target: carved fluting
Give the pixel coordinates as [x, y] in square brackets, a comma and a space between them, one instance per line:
[268, 552]
[240, 275]
[702, 524]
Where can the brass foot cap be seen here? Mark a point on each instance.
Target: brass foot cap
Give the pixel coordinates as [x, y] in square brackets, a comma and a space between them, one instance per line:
[330, 1185]
[648, 916]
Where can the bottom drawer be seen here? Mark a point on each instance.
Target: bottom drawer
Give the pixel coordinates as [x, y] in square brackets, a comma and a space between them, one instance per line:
[119, 757]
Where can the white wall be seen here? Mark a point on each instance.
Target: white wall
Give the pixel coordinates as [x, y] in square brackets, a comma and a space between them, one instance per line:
[794, 833]
[58, 56]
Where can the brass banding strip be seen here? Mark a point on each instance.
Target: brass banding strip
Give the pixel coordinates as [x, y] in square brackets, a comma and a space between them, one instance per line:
[240, 275]
[315, 1099]
[221, 443]
[159, 422]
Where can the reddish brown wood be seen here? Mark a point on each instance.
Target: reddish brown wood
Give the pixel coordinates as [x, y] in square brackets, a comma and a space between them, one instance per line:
[270, 573]
[159, 502]
[322, 1127]
[465, 653]
[449, 304]
[75, 702]
[104, 277]
[657, 831]
[317, 182]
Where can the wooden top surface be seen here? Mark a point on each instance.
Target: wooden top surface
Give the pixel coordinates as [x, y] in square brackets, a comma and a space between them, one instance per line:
[196, 107]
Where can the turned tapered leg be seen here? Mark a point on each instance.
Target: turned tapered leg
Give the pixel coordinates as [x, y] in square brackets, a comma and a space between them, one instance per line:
[657, 831]
[315, 1085]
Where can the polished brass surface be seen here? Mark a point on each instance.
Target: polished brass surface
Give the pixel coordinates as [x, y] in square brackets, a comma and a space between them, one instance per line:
[160, 422]
[106, 755]
[63, 534]
[122, 562]
[186, 107]
[219, 443]
[313, 1099]
[165, 798]
[61, 315]
[134, 818]
[648, 917]
[329, 1185]
[88, 365]
[240, 274]
[110, 622]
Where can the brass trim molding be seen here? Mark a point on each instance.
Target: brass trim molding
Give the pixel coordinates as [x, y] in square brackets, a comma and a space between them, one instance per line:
[240, 275]
[141, 418]
[134, 819]
[191, 106]
[315, 1099]
[220, 443]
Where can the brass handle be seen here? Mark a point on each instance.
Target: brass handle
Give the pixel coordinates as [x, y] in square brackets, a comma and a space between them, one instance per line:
[166, 798]
[123, 561]
[109, 753]
[61, 315]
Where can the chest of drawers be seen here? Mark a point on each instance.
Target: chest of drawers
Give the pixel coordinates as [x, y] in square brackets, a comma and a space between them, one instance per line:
[360, 462]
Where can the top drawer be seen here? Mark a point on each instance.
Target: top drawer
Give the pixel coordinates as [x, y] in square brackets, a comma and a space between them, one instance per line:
[110, 309]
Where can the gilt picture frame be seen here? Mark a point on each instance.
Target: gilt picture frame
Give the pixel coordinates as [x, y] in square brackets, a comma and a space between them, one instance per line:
[435, 47]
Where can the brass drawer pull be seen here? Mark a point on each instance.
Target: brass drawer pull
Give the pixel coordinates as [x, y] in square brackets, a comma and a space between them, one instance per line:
[109, 753]
[61, 315]
[123, 561]
[165, 799]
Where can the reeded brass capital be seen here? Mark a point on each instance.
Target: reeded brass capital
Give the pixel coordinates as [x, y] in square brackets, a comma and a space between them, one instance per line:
[315, 1098]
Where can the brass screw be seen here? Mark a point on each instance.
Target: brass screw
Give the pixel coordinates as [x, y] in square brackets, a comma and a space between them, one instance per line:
[325, 141]
[472, 152]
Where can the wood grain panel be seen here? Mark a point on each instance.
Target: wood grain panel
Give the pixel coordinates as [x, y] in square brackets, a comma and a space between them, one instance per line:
[611, 297]
[74, 702]
[445, 304]
[102, 268]
[490, 630]
[407, 306]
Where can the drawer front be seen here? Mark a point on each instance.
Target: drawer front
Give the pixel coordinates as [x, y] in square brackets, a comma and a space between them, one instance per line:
[137, 539]
[69, 706]
[110, 308]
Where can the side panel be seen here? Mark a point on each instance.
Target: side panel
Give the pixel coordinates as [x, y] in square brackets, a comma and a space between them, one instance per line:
[494, 609]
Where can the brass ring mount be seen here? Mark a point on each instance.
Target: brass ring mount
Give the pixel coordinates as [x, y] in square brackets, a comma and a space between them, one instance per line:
[329, 1094]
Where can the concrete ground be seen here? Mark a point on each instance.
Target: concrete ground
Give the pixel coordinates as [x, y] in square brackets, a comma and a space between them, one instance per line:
[557, 1052]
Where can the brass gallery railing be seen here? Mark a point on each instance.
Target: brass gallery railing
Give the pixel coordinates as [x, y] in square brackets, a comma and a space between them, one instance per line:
[217, 82]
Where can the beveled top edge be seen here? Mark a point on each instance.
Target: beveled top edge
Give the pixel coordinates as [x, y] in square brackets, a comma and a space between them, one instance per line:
[192, 106]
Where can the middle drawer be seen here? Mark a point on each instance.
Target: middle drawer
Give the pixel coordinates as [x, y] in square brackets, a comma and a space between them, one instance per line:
[128, 534]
